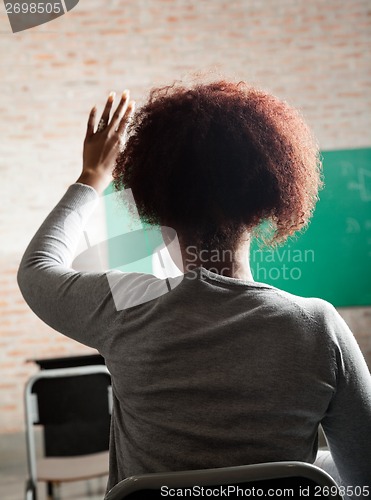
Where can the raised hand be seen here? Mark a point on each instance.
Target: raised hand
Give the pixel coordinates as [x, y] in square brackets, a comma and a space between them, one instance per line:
[102, 146]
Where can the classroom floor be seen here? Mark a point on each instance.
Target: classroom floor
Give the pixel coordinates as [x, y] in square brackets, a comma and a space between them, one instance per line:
[13, 474]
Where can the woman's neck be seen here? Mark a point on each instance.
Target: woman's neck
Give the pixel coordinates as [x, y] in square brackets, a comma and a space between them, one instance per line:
[224, 262]
[227, 262]
[233, 263]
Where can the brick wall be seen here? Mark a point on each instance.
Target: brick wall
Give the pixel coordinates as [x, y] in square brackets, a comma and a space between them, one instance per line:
[313, 54]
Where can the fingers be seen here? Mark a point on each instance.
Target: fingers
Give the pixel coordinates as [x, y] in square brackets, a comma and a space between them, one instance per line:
[118, 122]
[121, 108]
[91, 122]
[124, 120]
[107, 110]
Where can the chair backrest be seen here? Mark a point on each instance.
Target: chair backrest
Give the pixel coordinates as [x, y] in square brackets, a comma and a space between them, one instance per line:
[298, 479]
[73, 405]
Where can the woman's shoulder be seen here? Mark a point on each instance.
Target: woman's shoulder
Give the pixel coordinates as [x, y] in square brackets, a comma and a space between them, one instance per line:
[315, 309]
[319, 314]
[313, 306]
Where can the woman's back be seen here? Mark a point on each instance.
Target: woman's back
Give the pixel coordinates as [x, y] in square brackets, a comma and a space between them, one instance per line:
[220, 372]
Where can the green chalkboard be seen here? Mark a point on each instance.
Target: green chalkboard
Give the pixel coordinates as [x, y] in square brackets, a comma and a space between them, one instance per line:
[331, 260]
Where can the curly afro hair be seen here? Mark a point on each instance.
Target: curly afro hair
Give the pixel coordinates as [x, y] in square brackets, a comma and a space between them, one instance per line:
[216, 159]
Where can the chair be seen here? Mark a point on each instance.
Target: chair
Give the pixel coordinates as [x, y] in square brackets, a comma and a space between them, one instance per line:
[296, 478]
[73, 406]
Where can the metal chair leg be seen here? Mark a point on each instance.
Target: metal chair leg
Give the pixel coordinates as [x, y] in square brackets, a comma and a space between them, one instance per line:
[31, 493]
[49, 491]
[53, 491]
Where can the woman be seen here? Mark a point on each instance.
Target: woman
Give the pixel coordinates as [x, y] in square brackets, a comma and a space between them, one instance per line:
[220, 370]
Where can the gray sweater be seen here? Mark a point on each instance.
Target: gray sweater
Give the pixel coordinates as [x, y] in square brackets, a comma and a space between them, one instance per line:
[216, 372]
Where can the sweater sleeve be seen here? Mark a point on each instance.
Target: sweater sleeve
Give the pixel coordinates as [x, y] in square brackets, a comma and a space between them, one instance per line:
[347, 423]
[80, 305]
[67, 300]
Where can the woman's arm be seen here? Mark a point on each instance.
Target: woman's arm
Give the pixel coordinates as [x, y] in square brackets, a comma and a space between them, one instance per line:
[347, 423]
[74, 303]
